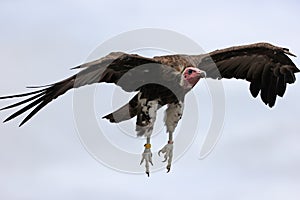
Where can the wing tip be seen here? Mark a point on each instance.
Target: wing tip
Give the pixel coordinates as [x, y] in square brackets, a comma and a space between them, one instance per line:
[271, 104]
[8, 119]
[22, 123]
[25, 94]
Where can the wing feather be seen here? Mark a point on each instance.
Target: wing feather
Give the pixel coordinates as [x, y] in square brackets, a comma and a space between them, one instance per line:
[265, 66]
[272, 91]
[281, 86]
[108, 69]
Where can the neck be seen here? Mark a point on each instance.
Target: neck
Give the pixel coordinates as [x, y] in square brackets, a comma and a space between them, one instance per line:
[185, 84]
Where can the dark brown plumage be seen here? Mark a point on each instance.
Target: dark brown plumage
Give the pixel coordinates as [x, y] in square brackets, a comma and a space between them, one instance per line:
[266, 67]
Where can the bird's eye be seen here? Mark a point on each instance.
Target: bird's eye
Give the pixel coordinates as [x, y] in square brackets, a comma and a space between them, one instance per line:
[190, 71]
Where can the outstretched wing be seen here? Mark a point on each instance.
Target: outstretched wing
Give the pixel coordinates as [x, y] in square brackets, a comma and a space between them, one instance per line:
[108, 69]
[266, 67]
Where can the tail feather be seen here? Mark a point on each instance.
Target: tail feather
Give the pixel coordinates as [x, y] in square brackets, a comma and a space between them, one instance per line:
[119, 115]
[124, 113]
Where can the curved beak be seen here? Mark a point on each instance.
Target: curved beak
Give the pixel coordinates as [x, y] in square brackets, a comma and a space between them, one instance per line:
[202, 74]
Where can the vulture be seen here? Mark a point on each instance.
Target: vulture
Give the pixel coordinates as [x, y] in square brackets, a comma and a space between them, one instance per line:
[165, 80]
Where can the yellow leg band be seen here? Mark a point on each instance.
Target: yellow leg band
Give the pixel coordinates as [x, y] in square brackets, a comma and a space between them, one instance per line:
[147, 146]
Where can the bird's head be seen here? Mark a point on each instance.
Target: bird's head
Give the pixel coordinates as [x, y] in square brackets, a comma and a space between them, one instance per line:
[191, 76]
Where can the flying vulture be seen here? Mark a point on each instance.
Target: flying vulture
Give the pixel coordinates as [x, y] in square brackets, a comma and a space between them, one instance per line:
[165, 80]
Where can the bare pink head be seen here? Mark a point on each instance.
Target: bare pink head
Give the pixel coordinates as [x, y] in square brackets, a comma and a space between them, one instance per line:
[191, 76]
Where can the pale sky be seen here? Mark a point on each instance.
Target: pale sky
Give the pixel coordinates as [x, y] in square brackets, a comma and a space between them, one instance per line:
[257, 157]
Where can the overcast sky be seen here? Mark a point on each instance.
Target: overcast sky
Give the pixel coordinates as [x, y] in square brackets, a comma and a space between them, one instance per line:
[257, 157]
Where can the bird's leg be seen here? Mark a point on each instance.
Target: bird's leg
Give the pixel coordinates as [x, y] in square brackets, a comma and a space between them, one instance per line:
[167, 150]
[147, 156]
[144, 126]
[172, 116]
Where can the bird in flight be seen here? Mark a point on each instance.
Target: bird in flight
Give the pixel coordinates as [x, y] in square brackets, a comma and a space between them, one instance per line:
[165, 80]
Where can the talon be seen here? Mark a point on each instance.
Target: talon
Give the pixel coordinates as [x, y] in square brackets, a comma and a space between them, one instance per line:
[167, 150]
[148, 174]
[150, 161]
[159, 152]
[168, 168]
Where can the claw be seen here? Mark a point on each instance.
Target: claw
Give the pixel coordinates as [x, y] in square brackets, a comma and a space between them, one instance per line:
[142, 161]
[151, 162]
[163, 150]
[168, 168]
[167, 150]
[148, 174]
